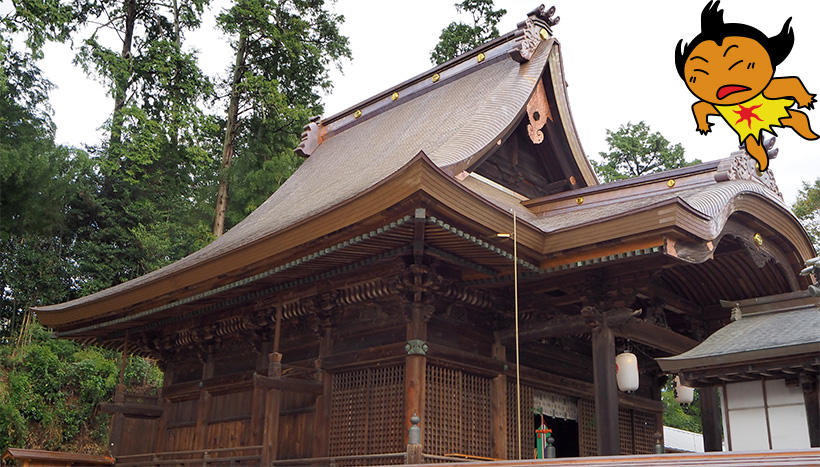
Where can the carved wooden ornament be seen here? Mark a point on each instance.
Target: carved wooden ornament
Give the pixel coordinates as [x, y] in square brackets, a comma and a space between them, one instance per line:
[538, 111]
[312, 136]
[527, 43]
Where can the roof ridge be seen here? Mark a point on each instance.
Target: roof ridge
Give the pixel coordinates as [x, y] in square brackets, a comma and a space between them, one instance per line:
[518, 44]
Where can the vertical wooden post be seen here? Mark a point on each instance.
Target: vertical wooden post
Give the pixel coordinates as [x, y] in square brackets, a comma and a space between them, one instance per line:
[498, 406]
[710, 420]
[321, 440]
[273, 400]
[118, 419]
[606, 391]
[204, 406]
[162, 424]
[416, 365]
[811, 398]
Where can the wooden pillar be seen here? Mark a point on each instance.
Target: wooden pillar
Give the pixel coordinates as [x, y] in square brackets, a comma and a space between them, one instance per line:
[498, 407]
[321, 440]
[117, 422]
[204, 406]
[710, 419]
[118, 419]
[606, 391]
[416, 365]
[258, 396]
[811, 398]
[273, 401]
[162, 423]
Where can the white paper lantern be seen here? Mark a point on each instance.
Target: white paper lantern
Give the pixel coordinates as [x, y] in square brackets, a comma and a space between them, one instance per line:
[626, 371]
[683, 394]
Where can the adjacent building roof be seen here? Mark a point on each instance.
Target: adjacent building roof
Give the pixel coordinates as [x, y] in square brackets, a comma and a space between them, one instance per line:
[784, 325]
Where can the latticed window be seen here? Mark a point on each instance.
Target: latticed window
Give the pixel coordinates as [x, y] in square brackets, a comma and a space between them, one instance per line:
[367, 411]
[457, 412]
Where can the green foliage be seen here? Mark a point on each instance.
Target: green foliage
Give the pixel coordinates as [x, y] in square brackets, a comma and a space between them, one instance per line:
[635, 151]
[76, 221]
[807, 209]
[51, 389]
[284, 50]
[685, 417]
[458, 38]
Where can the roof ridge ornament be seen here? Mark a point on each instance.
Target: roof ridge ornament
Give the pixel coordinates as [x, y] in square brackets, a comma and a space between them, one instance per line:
[312, 136]
[536, 28]
[741, 167]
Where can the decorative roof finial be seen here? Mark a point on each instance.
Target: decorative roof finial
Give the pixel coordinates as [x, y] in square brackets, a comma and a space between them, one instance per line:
[545, 16]
[533, 30]
[312, 136]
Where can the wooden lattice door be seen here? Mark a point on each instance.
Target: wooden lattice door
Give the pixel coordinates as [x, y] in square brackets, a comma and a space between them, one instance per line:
[525, 422]
[367, 408]
[457, 412]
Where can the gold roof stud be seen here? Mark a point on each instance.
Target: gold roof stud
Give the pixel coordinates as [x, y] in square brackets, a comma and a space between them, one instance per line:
[670, 183]
[544, 34]
[758, 239]
[436, 77]
[480, 57]
[357, 114]
[579, 200]
[395, 96]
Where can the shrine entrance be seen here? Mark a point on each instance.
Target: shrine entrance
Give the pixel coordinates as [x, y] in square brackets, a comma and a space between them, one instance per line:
[564, 431]
[560, 414]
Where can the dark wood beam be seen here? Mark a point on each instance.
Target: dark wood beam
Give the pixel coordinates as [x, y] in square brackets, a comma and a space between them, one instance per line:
[780, 367]
[283, 383]
[655, 336]
[133, 408]
[671, 301]
[811, 397]
[606, 391]
[567, 325]
[419, 222]
[710, 420]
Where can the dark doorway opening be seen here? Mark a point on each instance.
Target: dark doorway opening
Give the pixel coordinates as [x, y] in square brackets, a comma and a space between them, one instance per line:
[565, 433]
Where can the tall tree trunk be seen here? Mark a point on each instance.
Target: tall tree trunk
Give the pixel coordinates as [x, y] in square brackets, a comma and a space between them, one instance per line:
[174, 109]
[121, 84]
[230, 134]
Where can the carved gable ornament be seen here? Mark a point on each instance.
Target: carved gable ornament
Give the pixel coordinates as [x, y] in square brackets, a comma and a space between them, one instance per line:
[742, 167]
[535, 28]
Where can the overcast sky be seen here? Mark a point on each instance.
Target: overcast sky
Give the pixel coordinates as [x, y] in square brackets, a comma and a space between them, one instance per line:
[618, 63]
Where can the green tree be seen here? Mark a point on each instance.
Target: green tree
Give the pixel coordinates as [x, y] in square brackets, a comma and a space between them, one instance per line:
[40, 182]
[282, 52]
[807, 209]
[155, 161]
[685, 417]
[458, 38]
[634, 151]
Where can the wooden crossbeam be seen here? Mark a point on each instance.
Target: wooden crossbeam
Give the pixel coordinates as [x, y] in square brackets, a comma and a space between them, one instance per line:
[132, 408]
[568, 325]
[655, 336]
[671, 301]
[283, 383]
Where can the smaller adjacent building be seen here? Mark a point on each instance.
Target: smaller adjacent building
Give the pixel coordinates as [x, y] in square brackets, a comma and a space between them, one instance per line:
[677, 440]
[765, 366]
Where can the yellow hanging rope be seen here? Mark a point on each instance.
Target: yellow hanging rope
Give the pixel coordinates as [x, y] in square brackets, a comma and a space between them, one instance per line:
[517, 363]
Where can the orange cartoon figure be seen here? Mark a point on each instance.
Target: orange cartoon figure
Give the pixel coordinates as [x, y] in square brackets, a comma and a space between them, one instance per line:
[730, 68]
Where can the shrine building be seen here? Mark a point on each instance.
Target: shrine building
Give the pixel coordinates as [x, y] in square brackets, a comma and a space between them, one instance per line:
[379, 282]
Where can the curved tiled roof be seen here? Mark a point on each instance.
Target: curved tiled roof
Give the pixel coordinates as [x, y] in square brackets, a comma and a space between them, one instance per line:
[454, 123]
[454, 115]
[781, 331]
